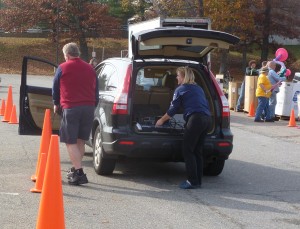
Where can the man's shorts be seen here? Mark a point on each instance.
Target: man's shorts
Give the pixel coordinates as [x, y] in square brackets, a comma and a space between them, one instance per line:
[76, 123]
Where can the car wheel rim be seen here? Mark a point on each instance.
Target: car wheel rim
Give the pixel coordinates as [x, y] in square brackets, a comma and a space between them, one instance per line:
[98, 150]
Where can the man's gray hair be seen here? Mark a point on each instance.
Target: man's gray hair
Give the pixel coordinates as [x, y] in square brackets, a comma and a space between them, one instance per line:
[71, 49]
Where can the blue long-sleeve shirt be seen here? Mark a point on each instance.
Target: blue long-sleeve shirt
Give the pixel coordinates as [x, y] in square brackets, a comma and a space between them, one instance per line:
[192, 98]
[275, 78]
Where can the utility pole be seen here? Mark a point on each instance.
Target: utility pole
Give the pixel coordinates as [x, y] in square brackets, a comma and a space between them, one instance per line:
[201, 8]
[57, 32]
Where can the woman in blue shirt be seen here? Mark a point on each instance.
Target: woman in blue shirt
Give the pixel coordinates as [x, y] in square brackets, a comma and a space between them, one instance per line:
[197, 115]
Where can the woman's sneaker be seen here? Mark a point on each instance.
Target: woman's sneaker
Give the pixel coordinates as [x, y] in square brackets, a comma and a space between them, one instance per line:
[187, 185]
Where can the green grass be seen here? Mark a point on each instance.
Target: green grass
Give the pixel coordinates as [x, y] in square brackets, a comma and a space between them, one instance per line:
[13, 49]
[294, 49]
[254, 52]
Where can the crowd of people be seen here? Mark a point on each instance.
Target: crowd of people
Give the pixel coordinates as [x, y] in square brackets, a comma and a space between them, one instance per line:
[268, 84]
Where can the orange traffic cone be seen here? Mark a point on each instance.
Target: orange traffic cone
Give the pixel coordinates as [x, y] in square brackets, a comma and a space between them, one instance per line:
[292, 122]
[41, 173]
[251, 110]
[51, 210]
[9, 105]
[2, 110]
[45, 141]
[13, 117]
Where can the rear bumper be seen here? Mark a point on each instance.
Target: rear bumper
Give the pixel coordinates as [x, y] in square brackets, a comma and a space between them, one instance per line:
[164, 148]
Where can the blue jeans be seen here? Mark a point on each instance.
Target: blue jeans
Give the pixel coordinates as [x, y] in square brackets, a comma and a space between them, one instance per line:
[262, 106]
[272, 104]
[241, 97]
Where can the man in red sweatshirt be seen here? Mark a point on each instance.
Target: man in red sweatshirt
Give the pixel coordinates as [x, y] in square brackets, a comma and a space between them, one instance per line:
[75, 92]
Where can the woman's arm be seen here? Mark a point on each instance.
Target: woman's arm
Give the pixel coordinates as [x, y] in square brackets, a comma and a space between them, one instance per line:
[162, 120]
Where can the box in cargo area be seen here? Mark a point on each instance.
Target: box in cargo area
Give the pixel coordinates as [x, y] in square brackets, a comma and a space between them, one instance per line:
[234, 92]
[250, 89]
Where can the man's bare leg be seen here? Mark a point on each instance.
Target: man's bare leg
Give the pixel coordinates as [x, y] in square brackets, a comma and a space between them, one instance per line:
[76, 152]
[75, 155]
[81, 146]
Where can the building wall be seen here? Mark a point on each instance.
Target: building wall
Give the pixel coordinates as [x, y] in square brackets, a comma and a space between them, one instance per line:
[284, 41]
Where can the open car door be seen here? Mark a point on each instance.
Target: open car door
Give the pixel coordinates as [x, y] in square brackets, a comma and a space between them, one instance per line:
[36, 95]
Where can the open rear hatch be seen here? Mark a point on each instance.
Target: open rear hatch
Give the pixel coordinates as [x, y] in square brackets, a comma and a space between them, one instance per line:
[179, 43]
[155, 84]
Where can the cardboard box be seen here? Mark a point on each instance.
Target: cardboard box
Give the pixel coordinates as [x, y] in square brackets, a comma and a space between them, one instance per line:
[234, 91]
[250, 89]
[287, 99]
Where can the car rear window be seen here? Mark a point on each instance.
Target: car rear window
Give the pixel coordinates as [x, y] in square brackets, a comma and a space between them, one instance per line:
[146, 81]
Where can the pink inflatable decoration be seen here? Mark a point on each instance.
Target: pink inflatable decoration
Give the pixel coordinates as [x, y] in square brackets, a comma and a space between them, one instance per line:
[288, 72]
[281, 54]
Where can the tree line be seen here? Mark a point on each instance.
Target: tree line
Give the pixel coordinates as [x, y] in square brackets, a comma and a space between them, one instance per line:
[254, 21]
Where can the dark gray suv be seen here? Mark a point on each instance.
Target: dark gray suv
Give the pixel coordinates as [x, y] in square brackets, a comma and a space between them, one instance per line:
[135, 92]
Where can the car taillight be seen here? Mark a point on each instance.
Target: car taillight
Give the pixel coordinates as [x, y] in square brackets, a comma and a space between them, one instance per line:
[120, 105]
[224, 144]
[126, 143]
[225, 105]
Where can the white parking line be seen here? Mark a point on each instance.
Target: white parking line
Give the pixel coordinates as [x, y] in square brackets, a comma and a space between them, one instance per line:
[9, 193]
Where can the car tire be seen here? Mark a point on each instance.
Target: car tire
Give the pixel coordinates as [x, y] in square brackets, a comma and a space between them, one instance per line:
[102, 165]
[214, 168]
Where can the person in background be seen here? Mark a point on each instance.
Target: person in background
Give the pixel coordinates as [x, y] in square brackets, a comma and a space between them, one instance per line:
[263, 92]
[263, 64]
[197, 115]
[250, 71]
[93, 62]
[75, 90]
[275, 80]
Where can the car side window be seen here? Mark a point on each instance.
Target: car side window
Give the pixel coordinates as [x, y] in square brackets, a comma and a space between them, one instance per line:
[113, 81]
[104, 75]
[101, 83]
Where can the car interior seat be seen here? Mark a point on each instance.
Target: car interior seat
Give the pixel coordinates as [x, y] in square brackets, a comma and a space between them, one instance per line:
[141, 96]
[161, 96]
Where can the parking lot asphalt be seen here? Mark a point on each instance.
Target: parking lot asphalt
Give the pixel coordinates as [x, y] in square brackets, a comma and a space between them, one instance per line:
[278, 130]
[259, 187]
